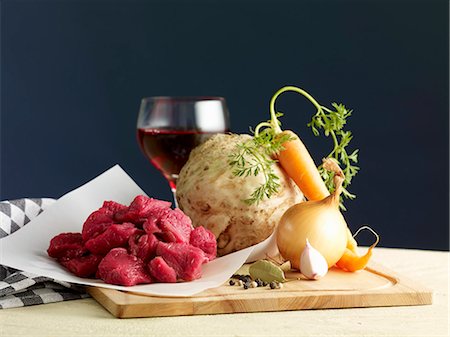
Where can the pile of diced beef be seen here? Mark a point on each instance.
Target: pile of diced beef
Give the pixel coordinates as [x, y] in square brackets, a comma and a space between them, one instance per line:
[142, 243]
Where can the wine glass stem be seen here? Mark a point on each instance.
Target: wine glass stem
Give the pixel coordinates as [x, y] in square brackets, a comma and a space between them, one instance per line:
[173, 187]
[174, 192]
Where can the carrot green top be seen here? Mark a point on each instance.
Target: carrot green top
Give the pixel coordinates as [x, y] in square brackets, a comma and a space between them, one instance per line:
[268, 142]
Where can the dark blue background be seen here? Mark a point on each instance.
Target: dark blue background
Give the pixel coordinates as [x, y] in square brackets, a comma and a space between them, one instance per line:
[73, 73]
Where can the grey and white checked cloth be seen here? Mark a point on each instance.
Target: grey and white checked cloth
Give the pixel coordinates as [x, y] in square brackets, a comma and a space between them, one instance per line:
[19, 288]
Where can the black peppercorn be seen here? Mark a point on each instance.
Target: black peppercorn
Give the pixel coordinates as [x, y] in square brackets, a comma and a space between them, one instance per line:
[245, 285]
[273, 285]
[232, 283]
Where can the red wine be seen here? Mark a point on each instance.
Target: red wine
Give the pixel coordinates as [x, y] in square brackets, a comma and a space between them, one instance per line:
[168, 150]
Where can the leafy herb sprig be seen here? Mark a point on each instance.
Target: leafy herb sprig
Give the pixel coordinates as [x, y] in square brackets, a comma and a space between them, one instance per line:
[257, 156]
[332, 123]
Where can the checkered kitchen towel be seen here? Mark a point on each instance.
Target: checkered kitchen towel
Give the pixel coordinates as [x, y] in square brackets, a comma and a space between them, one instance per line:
[18, 288]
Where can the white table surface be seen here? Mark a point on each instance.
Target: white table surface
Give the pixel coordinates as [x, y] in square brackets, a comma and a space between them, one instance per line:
[87, 318]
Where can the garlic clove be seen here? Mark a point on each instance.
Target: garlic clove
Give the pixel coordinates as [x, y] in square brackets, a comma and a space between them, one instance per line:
[312, 264]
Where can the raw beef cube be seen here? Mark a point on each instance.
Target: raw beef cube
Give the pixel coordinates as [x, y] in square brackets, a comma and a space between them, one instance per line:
[114, 236]
[150, 225]
[114, 206]
[145, 205]
[143, 245]
[205, 240]
[141, 208]
[161, 271]
[66, 245]
[185, 259]
[133, 241]
[119, 267]
[97, 223]
[176, 226]
[93, 230]
[83, 266]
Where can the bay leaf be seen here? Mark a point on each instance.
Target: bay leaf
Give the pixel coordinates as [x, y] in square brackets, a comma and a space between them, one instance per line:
[266, 271]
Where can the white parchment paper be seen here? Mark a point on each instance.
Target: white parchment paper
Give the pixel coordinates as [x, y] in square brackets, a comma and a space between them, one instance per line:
[26, 249]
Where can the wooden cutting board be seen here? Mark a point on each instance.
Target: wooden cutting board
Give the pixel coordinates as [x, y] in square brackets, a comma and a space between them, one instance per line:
[373, 287]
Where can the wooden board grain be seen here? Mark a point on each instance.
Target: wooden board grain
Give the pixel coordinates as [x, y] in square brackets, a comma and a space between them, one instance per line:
[373, 287]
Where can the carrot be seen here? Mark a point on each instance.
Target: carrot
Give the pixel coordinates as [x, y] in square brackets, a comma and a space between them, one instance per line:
[300, 167]
[351, 261]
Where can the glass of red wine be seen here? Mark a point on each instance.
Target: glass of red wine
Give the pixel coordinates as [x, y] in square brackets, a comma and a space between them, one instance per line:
[168, 128]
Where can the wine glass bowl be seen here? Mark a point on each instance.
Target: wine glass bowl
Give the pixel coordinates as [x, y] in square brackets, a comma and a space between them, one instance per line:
[168, 128]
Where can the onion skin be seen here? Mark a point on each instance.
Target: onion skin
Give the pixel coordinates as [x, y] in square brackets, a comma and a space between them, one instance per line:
[321, 223]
